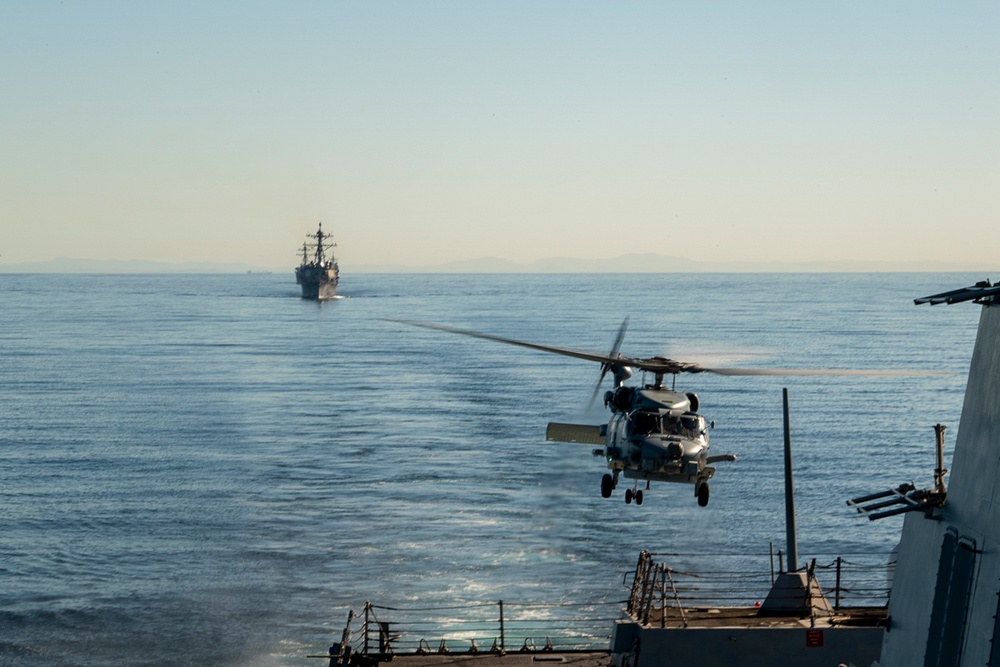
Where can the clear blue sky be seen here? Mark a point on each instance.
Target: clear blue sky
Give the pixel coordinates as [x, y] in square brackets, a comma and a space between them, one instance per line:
[423, 132]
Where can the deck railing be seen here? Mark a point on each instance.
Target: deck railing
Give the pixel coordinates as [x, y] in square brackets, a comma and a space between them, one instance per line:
[697, 581]
[862, 581]
[497, 627]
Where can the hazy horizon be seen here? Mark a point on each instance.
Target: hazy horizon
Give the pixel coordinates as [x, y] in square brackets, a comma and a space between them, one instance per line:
[649, 263]
[445, 131]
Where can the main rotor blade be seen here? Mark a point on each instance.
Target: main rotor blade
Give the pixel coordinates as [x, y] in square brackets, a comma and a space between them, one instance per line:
[660, 365]
[615, 348]
[565, 351]
[818, 371]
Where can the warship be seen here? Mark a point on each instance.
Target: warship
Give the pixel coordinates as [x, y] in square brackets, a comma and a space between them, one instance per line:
[941, 608]
[318, 273]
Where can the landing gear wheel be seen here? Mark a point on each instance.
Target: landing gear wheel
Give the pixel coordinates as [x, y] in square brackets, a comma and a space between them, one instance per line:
[638, 497]
[628, 496]
[703, 495]
[607, 486]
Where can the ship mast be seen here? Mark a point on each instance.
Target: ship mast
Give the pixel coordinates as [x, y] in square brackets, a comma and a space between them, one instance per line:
[321, 248]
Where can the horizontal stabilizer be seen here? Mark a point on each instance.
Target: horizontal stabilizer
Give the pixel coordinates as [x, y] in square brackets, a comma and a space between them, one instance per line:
[721, 457]
[581, 433]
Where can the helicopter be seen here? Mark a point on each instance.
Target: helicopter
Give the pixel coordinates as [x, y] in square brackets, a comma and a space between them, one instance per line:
[653, 434]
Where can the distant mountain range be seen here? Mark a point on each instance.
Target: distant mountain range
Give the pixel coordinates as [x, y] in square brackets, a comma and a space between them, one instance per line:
[655, 263]
[630, 263]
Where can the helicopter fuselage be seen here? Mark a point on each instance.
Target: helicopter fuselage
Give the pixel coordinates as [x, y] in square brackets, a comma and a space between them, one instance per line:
[656, 455]
[655, 435]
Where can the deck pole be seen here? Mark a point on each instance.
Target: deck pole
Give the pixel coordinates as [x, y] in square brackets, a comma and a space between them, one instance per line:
[836, 599]
[790, 533]
[503, 639]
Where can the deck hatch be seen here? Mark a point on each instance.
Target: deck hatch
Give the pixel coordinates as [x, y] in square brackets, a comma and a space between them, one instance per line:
[951, 602]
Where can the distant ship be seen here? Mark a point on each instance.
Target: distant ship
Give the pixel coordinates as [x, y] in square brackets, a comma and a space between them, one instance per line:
[318, 274]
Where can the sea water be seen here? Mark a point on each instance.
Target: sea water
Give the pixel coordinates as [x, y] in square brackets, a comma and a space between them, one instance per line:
[207, 469]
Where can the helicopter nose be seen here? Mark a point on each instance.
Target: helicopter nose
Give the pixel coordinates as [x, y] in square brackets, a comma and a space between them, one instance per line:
[658, 449]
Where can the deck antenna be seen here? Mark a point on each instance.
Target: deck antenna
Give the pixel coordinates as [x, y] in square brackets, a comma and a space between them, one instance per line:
[790, 533]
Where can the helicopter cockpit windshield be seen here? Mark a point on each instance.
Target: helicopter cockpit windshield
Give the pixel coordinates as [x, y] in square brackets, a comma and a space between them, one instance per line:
[692, 426]
[685, 426]
[644, 423]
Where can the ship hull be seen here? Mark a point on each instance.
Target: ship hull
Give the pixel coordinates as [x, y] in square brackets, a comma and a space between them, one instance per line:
[317, 284]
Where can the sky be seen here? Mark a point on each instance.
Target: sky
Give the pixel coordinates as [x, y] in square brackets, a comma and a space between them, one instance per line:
[439, 131]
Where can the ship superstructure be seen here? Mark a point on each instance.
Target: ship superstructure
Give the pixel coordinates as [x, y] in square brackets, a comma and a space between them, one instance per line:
[944, 608]
[319, 273]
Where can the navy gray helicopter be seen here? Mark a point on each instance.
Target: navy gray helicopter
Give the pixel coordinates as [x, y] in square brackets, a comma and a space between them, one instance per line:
[654, 434]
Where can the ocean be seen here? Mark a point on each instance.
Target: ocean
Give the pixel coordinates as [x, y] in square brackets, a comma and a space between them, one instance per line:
[209, 470]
